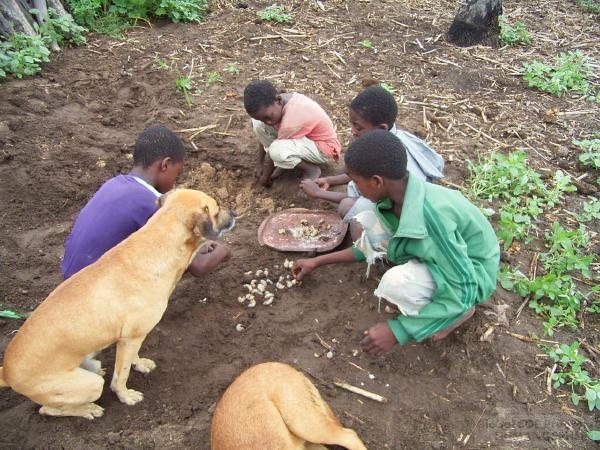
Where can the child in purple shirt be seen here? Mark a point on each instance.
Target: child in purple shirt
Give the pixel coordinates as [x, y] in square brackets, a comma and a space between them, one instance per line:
[124, 204]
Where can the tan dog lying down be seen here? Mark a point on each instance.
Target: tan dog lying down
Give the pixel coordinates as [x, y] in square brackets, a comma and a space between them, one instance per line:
[118, 299]
[273, 406]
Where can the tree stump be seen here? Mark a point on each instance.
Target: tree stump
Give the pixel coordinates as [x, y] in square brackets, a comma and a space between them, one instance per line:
[476, 23]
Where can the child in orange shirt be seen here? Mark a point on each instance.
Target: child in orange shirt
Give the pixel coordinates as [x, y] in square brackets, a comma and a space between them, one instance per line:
[293, 131]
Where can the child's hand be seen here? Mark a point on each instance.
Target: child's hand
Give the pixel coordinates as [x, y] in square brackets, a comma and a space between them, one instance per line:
[310, 187]
[378, 339]
[323, 183]
[303, 267]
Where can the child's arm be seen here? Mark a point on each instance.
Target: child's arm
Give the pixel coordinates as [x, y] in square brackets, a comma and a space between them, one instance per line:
[303, 267]
[215, 254]
[312, 189]
[333, 180]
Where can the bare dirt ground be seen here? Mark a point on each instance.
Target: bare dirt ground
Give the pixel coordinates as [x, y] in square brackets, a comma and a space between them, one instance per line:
[66, 131]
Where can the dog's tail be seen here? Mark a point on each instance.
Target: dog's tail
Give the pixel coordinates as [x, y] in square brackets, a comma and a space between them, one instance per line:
[2, 382]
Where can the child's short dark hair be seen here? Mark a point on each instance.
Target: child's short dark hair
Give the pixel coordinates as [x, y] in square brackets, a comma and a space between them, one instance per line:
[376, 105]
[156, 143]
[258, 94]
[377, 152]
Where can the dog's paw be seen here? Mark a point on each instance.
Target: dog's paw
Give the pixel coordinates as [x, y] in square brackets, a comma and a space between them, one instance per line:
[88, 411]
[144, 365]
[130, 397]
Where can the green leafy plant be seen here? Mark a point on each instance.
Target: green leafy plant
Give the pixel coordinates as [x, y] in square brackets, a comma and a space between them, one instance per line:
[162, 64]
[571, 373]
[182, 10]
[213, 77]
[567, 250]
[61, 29]
[570, 73]
[590, 152]
[22, 55]
[366, 43]
[274, 13]
[184, 84]
[9, 314]
[513, 34]
[594, 435]
[85, 12]
[232, 68]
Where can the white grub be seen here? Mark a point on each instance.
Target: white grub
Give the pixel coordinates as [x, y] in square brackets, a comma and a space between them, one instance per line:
[266, 272]
[248, 273]
[304, 222]
[269, 294]
[329, 354]
[280, 285]
[281, 278]
[249, 297]
[260, 288]
[281, 231]
[257, 292]
[242, 299]
[248, 287]
[321, 222]
[239, 327]
[253, 283]
[294, 282]
[252, 303]
[328, 227]
[289, 284]
[268, 301]
[262, 282]
[269, 281]
[371, 376]
[258, 273]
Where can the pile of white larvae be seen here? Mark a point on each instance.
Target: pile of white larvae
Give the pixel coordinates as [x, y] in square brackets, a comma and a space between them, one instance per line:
[262, 288]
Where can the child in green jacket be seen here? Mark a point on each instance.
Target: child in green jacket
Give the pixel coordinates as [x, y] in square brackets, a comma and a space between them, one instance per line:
[445, 252]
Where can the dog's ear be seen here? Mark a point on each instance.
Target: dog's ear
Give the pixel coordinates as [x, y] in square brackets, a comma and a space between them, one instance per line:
[201, 225]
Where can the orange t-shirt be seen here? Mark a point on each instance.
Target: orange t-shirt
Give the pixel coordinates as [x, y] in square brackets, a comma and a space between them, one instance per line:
[305, 117]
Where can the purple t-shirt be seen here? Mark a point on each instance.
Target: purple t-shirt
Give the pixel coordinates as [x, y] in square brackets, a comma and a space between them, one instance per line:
[121, 206]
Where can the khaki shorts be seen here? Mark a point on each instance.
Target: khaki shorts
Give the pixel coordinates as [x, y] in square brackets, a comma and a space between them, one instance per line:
[287, 153]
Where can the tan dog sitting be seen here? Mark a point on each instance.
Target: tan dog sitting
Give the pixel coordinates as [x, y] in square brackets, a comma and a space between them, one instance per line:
[273, 406]
[118, 299]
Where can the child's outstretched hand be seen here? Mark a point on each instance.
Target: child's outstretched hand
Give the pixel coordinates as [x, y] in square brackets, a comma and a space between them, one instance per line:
[378, 339]
[303, 267]
[310, 187]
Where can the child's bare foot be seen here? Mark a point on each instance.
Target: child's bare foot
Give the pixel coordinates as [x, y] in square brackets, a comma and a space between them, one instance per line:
[437, 337]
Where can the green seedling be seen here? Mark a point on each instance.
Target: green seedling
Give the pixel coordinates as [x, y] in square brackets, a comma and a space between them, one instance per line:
[590, 152]
[213, 77]
[184, 84]
[571, 72]
[590, 6]
[8, 314]
[387, 87]
[366, 43]
[162, 64]
[274, 13]
[513, 34]
[232, 69]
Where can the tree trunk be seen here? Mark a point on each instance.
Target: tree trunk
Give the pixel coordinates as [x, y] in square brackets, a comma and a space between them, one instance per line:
[476, 23]
[15, 18]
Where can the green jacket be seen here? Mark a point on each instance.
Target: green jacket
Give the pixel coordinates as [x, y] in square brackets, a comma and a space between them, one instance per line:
[441, 228]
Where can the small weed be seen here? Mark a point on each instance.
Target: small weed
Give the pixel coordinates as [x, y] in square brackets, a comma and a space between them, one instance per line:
[590, 152]
[567, 249]
[513, 34]
[184, 84]
[274, 13]
[591, 210]
[366, 43]
[387, 87]
[213, 77]
[590, 6]
[571, 373]
[161, 64]
[570, 73]
[232, 68]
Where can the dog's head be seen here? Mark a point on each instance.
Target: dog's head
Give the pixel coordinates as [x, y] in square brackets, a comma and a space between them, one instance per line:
[200, 212]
